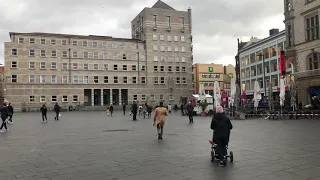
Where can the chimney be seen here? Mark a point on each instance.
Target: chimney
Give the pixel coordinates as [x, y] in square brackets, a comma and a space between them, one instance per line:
[273, 32]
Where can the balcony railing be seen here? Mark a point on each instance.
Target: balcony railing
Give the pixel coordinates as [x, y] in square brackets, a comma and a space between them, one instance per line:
[309, 73]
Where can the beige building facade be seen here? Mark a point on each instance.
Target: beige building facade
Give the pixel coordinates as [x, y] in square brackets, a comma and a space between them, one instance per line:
[303, 45]
[99, 70]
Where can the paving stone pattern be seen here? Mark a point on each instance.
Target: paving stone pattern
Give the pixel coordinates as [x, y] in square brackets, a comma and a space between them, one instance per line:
[92, 146]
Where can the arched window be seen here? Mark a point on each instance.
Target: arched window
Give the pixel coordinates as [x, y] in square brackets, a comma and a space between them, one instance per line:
[314, 61]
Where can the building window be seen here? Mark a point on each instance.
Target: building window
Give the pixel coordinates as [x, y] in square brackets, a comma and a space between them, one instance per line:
[63, 42]
[14, 64]
[115, 80]
[176, 48]
[177, 59]
[65, 79]
[53, 98]
[152, 97]
[75, 80]
[95, 55]
[170, 68]
[169, 49]
[43, 41]
[75, 98]
[162, 68]
[176, 38]
[96, 79]
[183, 69]
[154, 19]
[314, 61]
[105, 55]
[75, 54]
[162, 80]
[31, 52]
[54, 79]
[155, 58]
[32, 65]
[161, 97]
[143, 68]
[43, 53]
[64, 54]
[143, 80]
[184, 80]
[134, 67]
[143, 97]
[177, 69]
[85, 54]
[14, 78]
[14, 52]
[288, 5]
[155, 47]
[106, 79]
[64, 98]
[20, 40]
[43, 79]
[124, 67]
[155, 68]
[312, 27]
[53, 41]
[42, 65]
[125, 80]
[85, 43]
[162, 48]
[142, 58]
[161, 37]
[32, 78]
[53, 65]
[64, 66]
[96, 67]
[155, 37]
[42, 98]
[169, 21]
[75, 66]
[114, 45]
[134, 80]
[178, 80]
[85, 66]
[31, 99]
[115, 67]
[135, 97]
[85, 79]
[183, 59]
[31, 41]
[53, 53]
[156, 80]
[183, 49]
[182, 22]
[124, 56]
[95, 44]
[74, 43]
[171, 97]
[105, 67]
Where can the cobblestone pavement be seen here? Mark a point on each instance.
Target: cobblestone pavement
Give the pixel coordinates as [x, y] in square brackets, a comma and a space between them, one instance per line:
[81, 146]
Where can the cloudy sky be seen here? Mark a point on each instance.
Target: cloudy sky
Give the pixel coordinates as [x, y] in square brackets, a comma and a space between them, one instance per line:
[216, 23]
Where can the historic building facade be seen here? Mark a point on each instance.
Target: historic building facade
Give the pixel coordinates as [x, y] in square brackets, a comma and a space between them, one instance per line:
[155, 65]
[303, 45]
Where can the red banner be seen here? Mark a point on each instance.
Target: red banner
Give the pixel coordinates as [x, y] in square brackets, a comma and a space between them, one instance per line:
[282, 63]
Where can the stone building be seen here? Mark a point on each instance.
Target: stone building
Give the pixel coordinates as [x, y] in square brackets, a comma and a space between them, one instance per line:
[303, 45]
[94, 71]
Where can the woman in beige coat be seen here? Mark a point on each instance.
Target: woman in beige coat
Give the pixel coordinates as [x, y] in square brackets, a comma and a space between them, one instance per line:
[159, 119]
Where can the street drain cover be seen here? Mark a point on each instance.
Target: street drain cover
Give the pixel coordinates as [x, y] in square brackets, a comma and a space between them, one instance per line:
[117, 130]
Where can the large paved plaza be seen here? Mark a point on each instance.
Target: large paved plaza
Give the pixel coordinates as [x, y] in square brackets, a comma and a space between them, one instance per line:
[83, 146]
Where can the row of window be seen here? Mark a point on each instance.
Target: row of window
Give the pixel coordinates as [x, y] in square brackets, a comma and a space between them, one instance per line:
[96, 67]
[94, 79]
[163, 48]
[153, 97]
[169, 38]
[84, 43]
[64, 98]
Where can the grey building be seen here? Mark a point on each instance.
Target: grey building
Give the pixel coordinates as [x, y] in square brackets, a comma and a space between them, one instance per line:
[94, 71]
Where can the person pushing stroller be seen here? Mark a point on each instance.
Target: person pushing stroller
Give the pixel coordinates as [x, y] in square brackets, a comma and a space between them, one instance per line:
[221, 125]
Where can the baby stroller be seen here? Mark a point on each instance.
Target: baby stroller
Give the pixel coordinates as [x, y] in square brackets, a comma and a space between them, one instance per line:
[214, 153]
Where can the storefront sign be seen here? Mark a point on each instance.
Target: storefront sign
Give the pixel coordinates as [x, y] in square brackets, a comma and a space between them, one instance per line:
[210, 75]
[210, 69]
[314, 90]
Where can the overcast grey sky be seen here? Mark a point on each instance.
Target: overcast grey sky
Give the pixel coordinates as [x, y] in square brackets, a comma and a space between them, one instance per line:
[216, 23]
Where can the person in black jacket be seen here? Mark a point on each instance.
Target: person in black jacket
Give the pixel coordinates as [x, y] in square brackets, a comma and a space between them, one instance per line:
[44, 110]
[221, 125]
[111, 109]
[124, 108]
[4, 116]
[134, 110]
[57, 110]
[10, 112]
[190, 112]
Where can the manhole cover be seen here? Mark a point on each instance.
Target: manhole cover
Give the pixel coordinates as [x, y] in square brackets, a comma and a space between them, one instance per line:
[117, 130]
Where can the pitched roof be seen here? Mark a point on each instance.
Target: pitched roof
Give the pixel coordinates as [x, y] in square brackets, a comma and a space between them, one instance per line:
[161, 5]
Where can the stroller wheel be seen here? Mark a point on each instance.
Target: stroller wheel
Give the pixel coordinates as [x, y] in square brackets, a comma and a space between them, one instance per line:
[212, 156]
[231, 156]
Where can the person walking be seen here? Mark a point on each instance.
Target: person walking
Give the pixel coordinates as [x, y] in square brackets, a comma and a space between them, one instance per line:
[169, 109]
[10, 113]
[221, 125]
[111, 109]
[124, 108]
[189, 108]
[4, 116]
[134, 110]
[44, 110]
[57, 110]
[159, 119]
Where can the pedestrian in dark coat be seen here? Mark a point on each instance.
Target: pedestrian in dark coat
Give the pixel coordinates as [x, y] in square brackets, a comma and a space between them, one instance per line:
[190, 112]
[134, 110]
[4, 116]
[44, 110]
[111, 109]
[57, 110]
[10, 112]
[124, 108]
[221, 125]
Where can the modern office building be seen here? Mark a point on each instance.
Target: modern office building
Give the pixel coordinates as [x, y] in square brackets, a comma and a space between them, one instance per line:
[259, 60]
[155, 65]
[303, 45]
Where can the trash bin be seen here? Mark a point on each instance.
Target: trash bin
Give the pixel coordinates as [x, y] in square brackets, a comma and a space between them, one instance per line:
[70, 108]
